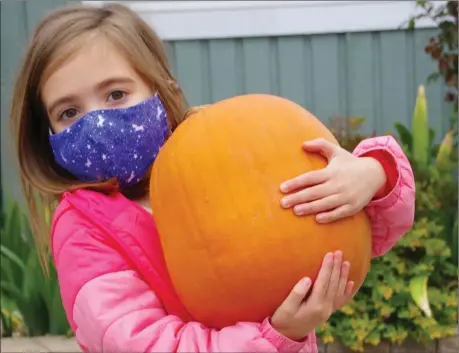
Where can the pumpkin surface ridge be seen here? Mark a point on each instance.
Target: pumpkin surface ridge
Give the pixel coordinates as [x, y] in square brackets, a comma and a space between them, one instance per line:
[206, 124]
[198, 231]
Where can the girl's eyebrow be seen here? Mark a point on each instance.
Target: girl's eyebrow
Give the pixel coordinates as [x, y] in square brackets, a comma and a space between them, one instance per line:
[101, 85]
[113, 81]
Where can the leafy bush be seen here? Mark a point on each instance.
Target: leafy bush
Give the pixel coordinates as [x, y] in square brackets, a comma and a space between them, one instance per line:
[347, 131]
[442, 47]
[31, 302]
[411, 292]
[12, 322]
[434, 168]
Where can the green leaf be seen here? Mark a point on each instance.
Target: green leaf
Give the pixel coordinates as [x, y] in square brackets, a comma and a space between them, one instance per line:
[432, 135]
[11, 290]
[7, 272]
[420, 128]
[418, 290]
[34, 307]
[421, 3]
[454, 242]
[355, 122]
[37, 298]
[433, 77]
[437, 247]
[12, 320]
[12, 257]
[445, 150]
[15, 238]
[447, 26]
[7, 307]
[58, 324]
[406, 138]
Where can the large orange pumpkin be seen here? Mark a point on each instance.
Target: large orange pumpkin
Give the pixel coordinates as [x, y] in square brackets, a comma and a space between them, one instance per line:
[232, 252]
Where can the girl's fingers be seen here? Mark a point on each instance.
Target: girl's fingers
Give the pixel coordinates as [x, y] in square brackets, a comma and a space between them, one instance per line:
[323, 278]
[297, 295]
[314, 207]
[309, 194]
[343, 278]
[340, 212]
[322, 146]
[334, 278]
[349, 288]
[346, 297]
[304, 180]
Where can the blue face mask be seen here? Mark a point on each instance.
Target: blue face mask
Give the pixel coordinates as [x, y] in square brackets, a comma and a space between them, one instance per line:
[113, 143]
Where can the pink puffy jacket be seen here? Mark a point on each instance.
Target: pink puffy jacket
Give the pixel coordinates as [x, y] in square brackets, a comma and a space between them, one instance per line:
[112, 273]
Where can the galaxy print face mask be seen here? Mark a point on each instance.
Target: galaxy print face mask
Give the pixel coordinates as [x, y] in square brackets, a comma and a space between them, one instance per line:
[120, 143]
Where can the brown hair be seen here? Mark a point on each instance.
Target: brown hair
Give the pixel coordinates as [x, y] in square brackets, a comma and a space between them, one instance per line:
[55, 39]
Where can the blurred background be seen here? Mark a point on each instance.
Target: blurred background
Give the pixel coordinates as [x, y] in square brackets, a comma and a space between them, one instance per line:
[360, 67]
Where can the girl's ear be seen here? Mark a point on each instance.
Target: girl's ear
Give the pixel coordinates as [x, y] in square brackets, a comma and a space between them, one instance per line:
[174, 84]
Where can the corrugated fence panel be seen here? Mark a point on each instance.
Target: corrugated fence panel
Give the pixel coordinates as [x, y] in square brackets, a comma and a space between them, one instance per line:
[13, 39]
[18, 20]
[375, 75]
[224, 57]
[366, 74]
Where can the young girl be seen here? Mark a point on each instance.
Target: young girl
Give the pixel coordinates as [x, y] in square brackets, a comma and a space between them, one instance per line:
[93, 103]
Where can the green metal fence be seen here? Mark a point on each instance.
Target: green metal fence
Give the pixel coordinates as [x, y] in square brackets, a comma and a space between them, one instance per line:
[366, 74]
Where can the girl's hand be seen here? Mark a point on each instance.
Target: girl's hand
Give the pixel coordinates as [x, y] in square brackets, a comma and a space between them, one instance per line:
[298, 316]
[342, 189]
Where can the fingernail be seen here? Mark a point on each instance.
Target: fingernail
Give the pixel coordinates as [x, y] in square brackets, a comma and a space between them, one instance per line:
[285, 203]
[329, 257]
[284, 187]
[306, 283]
[320, 219]
[299, 211]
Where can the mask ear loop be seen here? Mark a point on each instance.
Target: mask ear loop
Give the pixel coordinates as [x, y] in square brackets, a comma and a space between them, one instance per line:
[51, 133]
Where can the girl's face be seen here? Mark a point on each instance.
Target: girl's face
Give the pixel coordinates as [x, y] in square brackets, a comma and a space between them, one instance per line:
[96, 77]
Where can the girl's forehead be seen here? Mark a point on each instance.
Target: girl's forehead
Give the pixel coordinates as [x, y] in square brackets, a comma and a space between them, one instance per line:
[95, 55]
[92, 63]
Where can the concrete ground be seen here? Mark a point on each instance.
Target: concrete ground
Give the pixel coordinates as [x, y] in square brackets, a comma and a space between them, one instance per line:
[53, 344]
[45, 344]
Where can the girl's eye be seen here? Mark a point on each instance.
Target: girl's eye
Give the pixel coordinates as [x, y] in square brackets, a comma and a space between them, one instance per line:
[68, 114]
[116, 95]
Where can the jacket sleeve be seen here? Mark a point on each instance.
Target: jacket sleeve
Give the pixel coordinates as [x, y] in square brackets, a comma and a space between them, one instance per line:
[111, 309]
[392, 210]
